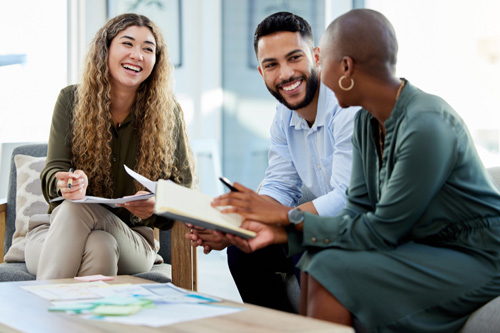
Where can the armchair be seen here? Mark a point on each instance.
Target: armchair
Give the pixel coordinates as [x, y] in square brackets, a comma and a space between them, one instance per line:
[179, 265]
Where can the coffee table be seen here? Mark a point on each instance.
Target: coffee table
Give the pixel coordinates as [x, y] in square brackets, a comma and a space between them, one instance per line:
[23, 311]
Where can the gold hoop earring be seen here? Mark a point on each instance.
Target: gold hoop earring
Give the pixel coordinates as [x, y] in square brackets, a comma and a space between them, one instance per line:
[348, 88]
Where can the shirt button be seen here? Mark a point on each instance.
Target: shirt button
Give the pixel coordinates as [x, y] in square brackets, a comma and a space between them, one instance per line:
[114, 159]
[314, 239]
[327, 241]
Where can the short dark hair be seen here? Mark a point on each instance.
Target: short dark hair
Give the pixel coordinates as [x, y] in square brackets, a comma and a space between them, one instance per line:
[283, 21]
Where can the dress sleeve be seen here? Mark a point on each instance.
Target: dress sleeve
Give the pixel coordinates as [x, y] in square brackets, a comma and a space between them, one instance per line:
[424, 157]
[281, 181]
[59, 154]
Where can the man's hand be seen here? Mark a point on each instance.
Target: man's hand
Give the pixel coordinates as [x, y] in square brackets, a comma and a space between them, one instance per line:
[252, 206]
[266, 235]
[210, 240]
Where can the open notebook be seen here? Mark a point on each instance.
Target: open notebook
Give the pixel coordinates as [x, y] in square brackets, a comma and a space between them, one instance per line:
[191, 206]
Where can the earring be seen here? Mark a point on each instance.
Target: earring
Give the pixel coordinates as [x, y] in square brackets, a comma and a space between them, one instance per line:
[348, 88]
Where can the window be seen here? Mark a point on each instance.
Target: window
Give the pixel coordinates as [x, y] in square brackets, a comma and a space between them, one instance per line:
[452, 49]
[33, 67]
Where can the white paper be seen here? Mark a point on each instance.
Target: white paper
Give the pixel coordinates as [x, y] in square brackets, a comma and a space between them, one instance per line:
[70, 291]
[169, 314]
[150, 185]
[109, 202]
[172, 304]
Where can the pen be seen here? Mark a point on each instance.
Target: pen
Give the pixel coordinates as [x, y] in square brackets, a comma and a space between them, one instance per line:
[70, 181]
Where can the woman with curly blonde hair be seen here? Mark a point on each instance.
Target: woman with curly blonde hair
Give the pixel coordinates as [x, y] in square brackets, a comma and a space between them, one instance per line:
[122, 113]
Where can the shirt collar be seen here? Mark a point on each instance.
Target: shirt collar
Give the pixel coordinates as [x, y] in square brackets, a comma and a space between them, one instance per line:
[300, 123]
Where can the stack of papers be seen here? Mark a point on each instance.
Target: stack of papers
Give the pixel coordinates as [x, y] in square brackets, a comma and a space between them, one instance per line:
[137, 304]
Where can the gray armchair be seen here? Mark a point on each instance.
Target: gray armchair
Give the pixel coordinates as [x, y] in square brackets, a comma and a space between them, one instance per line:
[179, 258]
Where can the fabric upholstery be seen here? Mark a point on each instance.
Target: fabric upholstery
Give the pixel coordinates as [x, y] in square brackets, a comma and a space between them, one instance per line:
[29, 201]
[35, 150]
[486, 319]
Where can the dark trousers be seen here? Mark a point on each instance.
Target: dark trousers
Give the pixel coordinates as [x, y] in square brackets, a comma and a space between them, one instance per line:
[257, 275]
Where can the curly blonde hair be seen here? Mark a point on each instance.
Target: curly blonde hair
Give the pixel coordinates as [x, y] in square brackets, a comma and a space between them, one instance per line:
[158, 118]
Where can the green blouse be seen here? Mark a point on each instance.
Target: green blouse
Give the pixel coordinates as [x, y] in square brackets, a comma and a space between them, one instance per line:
[431, 183]
[124, 147]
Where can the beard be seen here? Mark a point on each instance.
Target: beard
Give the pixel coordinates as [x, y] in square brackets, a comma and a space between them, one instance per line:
[312, 84]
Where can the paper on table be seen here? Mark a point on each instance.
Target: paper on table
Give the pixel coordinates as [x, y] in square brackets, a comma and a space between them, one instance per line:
[72, 291]
[168, 314]
[150, 185]
[90, 278]
[171, 304]
[116, 310]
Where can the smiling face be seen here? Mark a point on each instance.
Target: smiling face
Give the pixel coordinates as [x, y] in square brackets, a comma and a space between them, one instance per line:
[131, 57]
[287, 67]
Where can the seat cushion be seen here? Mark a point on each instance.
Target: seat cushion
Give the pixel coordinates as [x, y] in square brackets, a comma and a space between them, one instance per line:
[485, 319]
[29, 201]
[159, 273]
[17, 272]
[14, 272]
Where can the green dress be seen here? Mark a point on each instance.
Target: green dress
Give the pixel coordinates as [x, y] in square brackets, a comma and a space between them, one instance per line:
[416, 248]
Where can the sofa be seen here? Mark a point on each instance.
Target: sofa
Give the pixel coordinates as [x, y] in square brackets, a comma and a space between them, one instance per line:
[24, 199]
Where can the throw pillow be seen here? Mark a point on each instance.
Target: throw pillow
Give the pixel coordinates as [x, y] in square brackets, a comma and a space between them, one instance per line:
[29, 201]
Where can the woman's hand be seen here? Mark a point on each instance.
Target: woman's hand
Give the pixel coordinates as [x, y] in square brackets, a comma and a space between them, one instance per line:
[266, 235]
[140, 208]
[78, 180]
[252, 206]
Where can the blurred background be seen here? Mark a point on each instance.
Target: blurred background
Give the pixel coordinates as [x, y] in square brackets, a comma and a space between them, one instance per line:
[447, 47]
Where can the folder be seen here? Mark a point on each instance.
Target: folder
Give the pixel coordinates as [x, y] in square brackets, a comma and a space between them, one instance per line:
[191, 206]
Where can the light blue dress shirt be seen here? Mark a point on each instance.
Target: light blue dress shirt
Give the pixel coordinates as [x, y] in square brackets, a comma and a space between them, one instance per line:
[318, 157]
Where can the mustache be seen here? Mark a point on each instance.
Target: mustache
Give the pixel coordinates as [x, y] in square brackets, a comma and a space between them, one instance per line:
[293, 78]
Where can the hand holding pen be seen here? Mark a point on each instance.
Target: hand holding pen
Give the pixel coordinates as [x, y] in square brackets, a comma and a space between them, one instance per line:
[73, 184]
[70, 180]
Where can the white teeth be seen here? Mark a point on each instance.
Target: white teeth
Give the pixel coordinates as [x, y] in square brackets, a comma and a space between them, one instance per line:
[293, 86]
[134, 68]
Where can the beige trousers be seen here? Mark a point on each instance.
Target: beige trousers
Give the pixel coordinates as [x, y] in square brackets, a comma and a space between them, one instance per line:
[87, 239]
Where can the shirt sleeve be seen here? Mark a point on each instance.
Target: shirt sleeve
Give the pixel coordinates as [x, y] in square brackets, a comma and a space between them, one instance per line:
[341, 129]
[59, 154]
[425, 155]
[281, 181]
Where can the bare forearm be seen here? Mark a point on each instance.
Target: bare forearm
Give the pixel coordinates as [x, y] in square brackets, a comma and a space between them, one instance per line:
[308, 207]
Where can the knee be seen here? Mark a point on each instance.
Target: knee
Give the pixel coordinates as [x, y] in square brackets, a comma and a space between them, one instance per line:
[69, 212]
[102, 247]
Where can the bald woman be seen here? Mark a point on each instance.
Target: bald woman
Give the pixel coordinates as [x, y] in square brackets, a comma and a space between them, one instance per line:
[416, 248]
